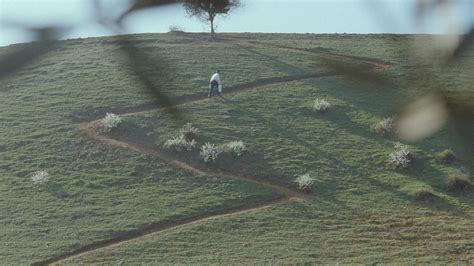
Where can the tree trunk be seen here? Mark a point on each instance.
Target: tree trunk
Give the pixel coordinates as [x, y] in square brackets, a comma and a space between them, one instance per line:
[212, 28]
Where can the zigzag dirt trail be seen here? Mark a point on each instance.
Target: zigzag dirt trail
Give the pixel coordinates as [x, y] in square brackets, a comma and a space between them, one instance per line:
[90, 128]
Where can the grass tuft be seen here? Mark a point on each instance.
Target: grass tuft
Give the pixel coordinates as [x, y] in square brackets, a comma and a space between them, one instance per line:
[422, 194]
[447, 156]
[458, 182]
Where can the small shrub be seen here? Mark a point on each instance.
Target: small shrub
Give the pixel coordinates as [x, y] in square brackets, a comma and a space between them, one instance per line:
[447, 156]
[321, 105]
[210, 152]
[179, 143]
[401, 156]
[189, 132]
[237, 148]
[304, 183]
[111, 121]
[176, 28]
[385, 126]
[458, 182]
[40, 177]
[422, 194]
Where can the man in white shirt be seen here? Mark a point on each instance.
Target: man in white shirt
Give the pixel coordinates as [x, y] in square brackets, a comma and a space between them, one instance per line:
[215, 84]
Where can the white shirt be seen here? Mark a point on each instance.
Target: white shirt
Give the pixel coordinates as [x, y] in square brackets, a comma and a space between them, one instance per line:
[216, 77]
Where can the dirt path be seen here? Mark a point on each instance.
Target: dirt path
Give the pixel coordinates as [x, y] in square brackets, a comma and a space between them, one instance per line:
[377, 63]
[90, 128]
[157, 228]
[229, 91]
[287, 195]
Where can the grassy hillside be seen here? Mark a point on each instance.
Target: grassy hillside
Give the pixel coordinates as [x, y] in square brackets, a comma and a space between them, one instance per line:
[360, 211]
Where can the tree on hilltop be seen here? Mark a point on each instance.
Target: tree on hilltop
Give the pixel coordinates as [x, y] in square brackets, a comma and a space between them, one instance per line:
[208, 10]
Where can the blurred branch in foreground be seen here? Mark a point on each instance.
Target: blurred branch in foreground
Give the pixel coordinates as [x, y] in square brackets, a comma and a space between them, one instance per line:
[420, 115]
[43, 42]
[428, 114]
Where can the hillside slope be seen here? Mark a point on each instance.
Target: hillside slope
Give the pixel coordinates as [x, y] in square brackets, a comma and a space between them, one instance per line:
[361, 209]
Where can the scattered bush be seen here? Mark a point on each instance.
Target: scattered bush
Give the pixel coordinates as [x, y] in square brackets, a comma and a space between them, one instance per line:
[179, 143]
[40, 177]
[209, 152]
[189, 132]
[304, 183]
[237, 148]
[402, 156]
[385, 126]
[111, 121]
[458, 182]
[447, 156]
[176, 28]
[321, 105]
[422, 194]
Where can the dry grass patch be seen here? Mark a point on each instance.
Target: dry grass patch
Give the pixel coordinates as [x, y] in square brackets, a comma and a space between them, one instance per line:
[422, 194]
[458, 182]
[447, 156]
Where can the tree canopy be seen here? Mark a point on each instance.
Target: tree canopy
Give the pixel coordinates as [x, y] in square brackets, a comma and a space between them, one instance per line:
[207, 10]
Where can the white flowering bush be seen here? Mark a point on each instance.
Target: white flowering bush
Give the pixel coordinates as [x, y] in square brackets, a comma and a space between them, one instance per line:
[321, 105]
[210, 152]
[189, 131]
[180, 143]
[237, 148]
[111, 121]
[401, 156]
[40, 177]
[304, 183]
[385, 126]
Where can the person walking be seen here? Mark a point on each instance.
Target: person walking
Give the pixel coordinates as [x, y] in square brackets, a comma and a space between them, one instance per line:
[215, 84]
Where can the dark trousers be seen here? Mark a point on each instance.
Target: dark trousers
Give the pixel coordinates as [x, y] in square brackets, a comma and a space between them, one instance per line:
[214, 86]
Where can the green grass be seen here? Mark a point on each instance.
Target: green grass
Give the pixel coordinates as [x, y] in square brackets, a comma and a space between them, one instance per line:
[360, 211]
[96, 191]
[318, 231]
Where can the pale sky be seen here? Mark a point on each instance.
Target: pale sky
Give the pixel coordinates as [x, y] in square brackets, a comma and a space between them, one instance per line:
[299, 16]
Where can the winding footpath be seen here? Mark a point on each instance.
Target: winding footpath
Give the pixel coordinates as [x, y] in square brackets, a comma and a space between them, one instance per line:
[286, 194]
